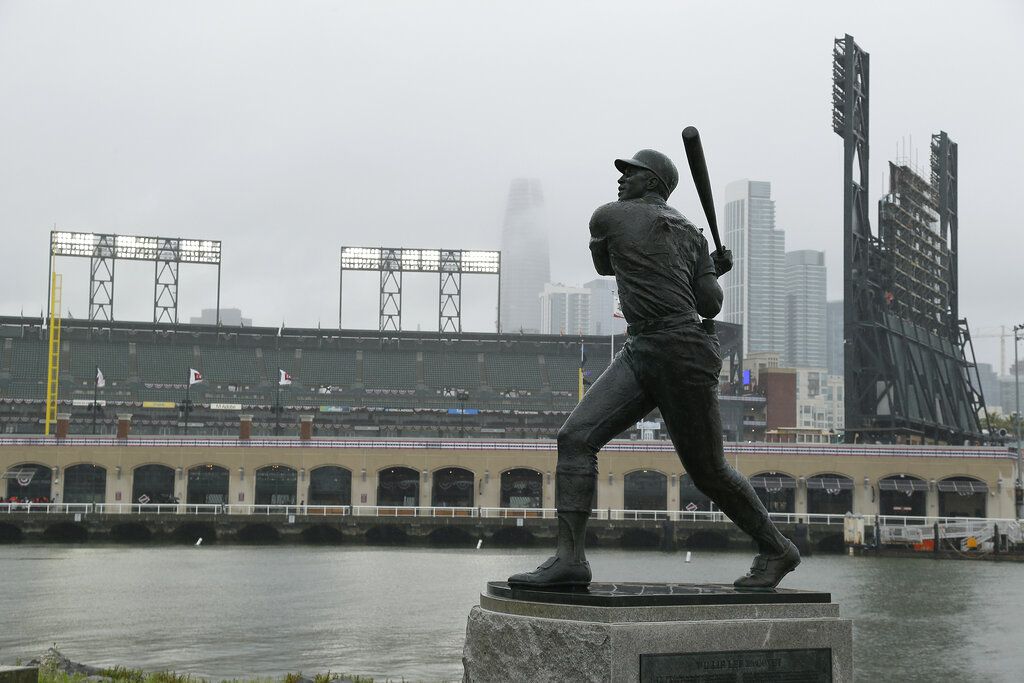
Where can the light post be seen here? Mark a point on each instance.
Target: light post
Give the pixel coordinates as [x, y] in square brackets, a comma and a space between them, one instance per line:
[1019, 488]
[462, 395]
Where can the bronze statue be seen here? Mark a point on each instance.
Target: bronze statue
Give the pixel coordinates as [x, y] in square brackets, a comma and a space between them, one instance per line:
[667, 281]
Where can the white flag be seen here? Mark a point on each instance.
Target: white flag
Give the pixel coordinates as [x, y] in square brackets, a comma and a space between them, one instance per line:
[194, 376]
[285, 378]
[100, 382]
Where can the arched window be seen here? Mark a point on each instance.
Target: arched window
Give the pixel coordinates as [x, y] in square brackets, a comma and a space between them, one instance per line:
[452, 488]
[962, 497]
[399, 486]
[276, 485]
[777, 491]
[330, 485]
[902, 495]
[829, 494]
[85, 484]
[153, 484]
[207, 485]
[645, 490]
[691, 498]
[29, 483]
[522, 488]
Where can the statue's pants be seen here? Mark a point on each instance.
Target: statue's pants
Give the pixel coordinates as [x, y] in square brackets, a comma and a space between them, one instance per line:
[676, 370]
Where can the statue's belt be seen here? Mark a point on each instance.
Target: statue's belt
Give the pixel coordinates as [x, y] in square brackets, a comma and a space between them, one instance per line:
[655, 324]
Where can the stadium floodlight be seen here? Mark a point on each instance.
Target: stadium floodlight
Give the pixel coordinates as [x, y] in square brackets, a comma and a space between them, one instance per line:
[167, 253]
[392, 262]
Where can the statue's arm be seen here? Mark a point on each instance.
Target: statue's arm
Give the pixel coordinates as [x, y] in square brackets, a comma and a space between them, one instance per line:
[706, 290]
[708, 294]
[599, 245]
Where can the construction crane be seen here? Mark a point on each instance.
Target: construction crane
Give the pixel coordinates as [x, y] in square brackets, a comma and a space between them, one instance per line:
[1002, 333]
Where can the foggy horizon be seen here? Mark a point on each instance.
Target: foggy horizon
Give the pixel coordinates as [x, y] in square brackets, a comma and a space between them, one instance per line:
[288, 131]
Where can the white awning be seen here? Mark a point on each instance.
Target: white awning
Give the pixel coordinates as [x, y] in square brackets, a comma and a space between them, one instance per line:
[773, 483]
[964, 488]
[830, 483]
[903, 485]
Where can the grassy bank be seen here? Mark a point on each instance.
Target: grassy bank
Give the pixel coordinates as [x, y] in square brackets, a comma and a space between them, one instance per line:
[54, 667]
[122, 675]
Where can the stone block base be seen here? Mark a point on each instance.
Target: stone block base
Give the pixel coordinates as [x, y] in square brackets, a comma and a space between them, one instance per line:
[509, 639]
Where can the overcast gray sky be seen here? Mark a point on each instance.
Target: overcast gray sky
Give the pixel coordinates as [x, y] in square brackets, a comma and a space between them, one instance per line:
[287, 129]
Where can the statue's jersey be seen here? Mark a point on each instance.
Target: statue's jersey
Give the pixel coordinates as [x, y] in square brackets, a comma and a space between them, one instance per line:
[655, 253]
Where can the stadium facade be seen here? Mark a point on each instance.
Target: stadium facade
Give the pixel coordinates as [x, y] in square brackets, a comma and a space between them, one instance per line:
[406, 420]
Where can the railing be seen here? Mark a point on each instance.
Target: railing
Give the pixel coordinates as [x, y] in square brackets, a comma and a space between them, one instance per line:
[58, 508]
[706, 516]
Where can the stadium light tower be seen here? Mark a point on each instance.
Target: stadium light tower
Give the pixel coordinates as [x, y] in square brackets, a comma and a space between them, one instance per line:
[103, 251]
[1019, 488]
[392, 262]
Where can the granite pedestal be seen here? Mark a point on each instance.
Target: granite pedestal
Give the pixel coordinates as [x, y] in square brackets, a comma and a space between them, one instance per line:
[656, 632]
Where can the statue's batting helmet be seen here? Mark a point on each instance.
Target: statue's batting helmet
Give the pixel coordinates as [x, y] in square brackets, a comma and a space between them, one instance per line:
[655, 162]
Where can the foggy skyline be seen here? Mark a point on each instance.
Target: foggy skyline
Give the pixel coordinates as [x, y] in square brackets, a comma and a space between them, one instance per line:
[287, 130]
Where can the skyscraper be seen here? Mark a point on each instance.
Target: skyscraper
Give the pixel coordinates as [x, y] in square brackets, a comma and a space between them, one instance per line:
[755, 287]
[564, 310]
[525, 265]
[806, 317]
[602, 308]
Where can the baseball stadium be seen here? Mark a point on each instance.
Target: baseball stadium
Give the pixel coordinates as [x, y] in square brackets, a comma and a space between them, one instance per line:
[131, 430]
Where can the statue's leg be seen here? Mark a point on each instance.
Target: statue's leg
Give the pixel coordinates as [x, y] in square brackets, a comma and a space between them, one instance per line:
[694, 422]
[614, 402]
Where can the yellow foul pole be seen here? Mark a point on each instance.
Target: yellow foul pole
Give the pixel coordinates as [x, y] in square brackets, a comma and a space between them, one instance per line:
[53, 353]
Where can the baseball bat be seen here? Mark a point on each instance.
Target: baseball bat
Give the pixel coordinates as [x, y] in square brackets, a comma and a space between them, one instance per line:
[699, 171]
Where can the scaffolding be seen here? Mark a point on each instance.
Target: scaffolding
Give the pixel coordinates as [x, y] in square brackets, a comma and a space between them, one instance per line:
[53, 352]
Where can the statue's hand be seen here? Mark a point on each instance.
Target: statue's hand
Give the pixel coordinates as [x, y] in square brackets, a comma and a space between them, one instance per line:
[723, 261]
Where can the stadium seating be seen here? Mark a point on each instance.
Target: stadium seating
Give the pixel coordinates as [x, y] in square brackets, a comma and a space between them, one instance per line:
[110, 357]
[451, 369]
[321, 367]
[389, 369]
[230, 364]
[507, 371]
[165, 364]
[28, 360]
[519, 385]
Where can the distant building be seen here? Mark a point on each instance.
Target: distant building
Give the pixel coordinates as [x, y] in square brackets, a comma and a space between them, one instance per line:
[779, 387]
[806, 316]
[819, 400]
[755, 287]
[1008, 393]
[564, 310]
[990, 388]
[808, 398]
[834, 336]
[525, 264]
[228, 316]
[602, 308]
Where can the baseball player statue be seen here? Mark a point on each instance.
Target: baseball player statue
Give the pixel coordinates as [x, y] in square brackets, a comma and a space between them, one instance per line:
[667, 282]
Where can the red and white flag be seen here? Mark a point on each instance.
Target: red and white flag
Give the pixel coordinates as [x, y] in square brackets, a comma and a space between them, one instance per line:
[194, 376]
[100, 381]
[285, 378]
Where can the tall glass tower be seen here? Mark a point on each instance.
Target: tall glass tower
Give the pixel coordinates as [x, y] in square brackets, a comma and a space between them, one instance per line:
[525, 263]
[755, 288]
[806, 313]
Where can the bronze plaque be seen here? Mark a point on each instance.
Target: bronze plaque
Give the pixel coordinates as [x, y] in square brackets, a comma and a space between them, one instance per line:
[739, 666]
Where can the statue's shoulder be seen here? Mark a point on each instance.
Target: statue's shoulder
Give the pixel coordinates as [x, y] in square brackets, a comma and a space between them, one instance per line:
[679, 220]
[607, 211]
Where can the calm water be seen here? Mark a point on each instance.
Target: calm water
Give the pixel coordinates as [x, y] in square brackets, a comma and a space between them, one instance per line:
[242, 611]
